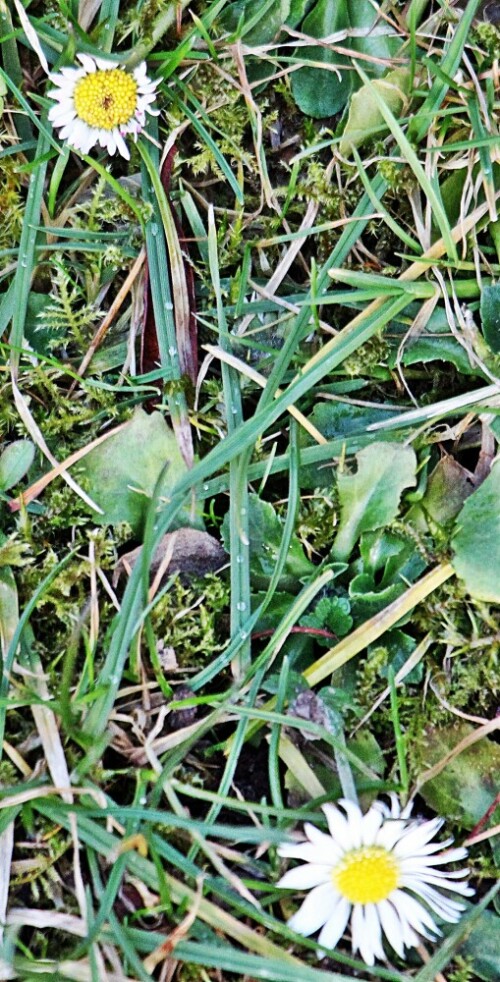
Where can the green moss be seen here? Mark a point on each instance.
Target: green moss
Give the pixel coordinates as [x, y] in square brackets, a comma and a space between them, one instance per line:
[487, 37]
[463, 970]
[189, 619]
[316, 522]
[11, 208]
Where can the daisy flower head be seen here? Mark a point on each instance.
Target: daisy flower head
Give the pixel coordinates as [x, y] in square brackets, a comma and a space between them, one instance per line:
[101, 103]
[380, 871]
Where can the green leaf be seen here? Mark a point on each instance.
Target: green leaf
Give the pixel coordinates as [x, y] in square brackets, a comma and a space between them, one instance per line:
[321, 92]
[121, 474]
[365, 119]
[369, 499]
[464, 790]
[332, 614]
[379, 39]
[399, 646]
[449, 486]
[265, 534]
[482, 947]
[433, 343]
[15, 462]
[9, 611]
[477, 540]
[388, 562]
[490, 315]
[270, 20]
[298, 10]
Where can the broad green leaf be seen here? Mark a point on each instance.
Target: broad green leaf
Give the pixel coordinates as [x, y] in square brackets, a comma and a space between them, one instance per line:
[298, 10]
[483, 948]
[266, 531]
[275, 609]
[40, 333]
[477, 540]
[388, 562]
[322, 92]
[490, 315]
[378, 40]
[121, 474]
[369, 499]
[273, 14]
[344, 422]
[331, 614]
[464, 789]
[15, 462]
[397, 648]
[365, 119]
[342, 419]
[433, 343]
[449, 486]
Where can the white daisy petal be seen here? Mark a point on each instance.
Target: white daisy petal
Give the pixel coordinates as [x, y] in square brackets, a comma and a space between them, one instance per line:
[73, 73]
[408, 936]
[62, 116]
[449, 910]
[100, 104]
[415, 882]
[305, 877]
[361, 939]
[57, 78]
[418, 837]
[370, 825]
[372, 920]
[338, 826]
[391, 926]
[121, 146]
[329, 851]
[382, 871]
[104, 64]
[335, 926]
[416, 915]
[313, 912]
[354, 820]
[301, 850]
[87, 62]
[390, 833]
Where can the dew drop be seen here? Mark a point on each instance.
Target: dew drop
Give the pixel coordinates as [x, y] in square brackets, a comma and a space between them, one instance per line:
[154, 229]
[241, 605]
[172, 352]
[143, 800]
[239, 558]
[205, 487]
[243, 635]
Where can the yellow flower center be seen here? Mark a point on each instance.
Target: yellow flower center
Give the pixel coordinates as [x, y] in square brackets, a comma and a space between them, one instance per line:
[366, 875]
[106, 98]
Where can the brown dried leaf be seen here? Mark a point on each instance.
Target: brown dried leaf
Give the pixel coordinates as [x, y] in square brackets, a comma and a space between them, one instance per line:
[186, 551]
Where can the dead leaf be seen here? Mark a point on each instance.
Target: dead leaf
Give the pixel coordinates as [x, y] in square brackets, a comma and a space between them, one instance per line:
[186, 551]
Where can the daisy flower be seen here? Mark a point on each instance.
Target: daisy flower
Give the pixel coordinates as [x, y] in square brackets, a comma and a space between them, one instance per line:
[101, 103]
[380, 870]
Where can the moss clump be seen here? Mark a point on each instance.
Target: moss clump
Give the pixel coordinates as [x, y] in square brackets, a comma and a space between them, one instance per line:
[11, 208]
[189, 619]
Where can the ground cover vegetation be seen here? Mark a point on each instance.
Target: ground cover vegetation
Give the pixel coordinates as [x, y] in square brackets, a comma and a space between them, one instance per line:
[250, 509]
